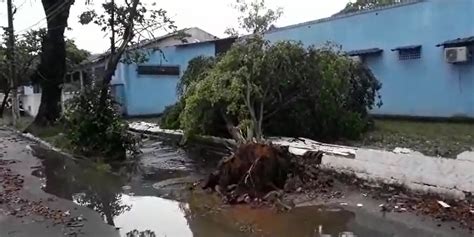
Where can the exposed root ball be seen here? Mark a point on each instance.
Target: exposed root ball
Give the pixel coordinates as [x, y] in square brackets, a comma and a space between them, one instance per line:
[255, 169]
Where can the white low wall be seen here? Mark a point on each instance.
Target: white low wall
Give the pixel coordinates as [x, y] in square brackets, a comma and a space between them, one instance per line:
[450, 177]
[31, 102]
[453, 177]
[417, 172]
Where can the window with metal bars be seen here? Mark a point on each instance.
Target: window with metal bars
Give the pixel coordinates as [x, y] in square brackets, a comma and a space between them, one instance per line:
[409, 54]
[158, 70]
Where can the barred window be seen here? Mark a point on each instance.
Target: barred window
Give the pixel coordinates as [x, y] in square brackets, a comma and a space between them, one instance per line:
[408, 54]
[158, 70]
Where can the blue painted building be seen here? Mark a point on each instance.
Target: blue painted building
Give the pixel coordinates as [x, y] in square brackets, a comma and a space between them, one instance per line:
[406, 45]
[146, 89]
[406, 55]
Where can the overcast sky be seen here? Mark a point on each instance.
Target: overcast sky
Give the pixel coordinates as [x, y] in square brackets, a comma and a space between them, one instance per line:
[213, 16]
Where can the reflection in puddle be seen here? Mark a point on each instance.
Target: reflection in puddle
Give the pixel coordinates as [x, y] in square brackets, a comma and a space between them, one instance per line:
[163, 217]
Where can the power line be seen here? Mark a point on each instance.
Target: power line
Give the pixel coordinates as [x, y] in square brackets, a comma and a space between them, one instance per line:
[51, 15]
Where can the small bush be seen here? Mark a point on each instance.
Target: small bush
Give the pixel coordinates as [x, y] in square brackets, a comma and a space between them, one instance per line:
[97, 131]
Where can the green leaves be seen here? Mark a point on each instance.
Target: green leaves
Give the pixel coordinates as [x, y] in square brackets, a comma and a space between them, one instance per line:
[365, 4]
[142, 21]
[282, 88]
[87, 17]
[255, 17]
[95, 130]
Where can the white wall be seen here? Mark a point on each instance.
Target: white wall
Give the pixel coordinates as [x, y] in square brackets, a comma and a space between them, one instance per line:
[450, 177]
[31, 101]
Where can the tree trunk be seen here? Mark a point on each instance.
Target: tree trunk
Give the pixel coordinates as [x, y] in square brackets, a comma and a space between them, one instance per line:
[4, 102]
[232, 129]
[15, 109]
[52, 68]
[116, 54]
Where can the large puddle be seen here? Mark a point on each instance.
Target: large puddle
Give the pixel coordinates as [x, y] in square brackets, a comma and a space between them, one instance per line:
[152, 198]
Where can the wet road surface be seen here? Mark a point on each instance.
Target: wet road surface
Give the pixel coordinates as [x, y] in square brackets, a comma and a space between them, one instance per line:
[152, 197]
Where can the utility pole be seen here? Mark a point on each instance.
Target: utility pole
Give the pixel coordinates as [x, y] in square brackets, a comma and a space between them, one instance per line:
[11, 60]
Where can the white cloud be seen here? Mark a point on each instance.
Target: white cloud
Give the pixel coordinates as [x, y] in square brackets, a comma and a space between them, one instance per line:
[213, 16]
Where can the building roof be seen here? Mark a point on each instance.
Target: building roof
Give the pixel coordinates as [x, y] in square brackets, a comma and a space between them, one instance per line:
[95, 58]
[408, 47]
[182, 32]
[457, 42]
[402, 3]
[231, 39]
[360, 52]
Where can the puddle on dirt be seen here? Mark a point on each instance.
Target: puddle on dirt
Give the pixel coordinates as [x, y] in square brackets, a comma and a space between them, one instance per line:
[152, 198]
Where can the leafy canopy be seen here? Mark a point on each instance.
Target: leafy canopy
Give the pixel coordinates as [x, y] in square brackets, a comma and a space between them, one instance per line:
[255, 17]
[258, 86]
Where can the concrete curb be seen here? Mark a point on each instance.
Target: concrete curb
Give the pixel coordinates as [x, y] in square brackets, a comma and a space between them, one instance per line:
[452, 178]
[43, 143]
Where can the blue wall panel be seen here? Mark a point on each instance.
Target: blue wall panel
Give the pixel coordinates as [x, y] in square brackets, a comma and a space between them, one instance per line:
[150, 94]
[422, 87]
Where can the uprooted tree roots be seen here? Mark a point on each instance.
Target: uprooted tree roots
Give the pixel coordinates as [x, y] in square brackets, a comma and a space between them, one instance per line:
[254, 171]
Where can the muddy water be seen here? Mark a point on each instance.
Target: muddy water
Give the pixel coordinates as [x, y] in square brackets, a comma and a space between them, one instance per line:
[152, 197]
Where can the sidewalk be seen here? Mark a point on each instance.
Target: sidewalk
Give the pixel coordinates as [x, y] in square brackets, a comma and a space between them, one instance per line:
[26, 210]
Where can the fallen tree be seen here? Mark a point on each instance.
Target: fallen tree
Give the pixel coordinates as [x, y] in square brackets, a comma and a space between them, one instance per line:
[259, 87]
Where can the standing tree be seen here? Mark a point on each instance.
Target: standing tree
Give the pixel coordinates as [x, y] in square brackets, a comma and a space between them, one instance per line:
[255, 17]
[74, 55]
[27, 57]
[127, 25]
[52, 67]
[94, 126]
[28, 47]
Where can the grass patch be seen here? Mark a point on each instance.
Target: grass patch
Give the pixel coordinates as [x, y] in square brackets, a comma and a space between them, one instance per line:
[430, 138]
[22, 123]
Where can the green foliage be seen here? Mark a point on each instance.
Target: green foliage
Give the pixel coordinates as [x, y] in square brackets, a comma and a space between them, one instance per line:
[196, 70]
[27, 51]
[360, 5]
[170, 117]
[134, 23]
[338, 106]
[255, 17]
[276, 87]
[96, 130]
[74, 55]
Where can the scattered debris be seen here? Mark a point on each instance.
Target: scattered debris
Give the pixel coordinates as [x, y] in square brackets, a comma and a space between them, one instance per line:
[443, 204]
[400, 150]
[15, 205]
